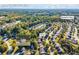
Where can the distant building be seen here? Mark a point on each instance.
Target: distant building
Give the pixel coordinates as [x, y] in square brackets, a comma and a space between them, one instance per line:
[1, 17]
[39, 26]
[67, 17]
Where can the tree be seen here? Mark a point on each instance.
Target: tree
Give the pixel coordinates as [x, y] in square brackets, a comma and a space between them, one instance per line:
[24, 34]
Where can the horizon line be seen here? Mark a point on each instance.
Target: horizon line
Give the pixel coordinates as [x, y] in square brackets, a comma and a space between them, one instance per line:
[39, 6]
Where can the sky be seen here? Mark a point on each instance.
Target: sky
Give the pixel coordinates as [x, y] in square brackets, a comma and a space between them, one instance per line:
[39, 6]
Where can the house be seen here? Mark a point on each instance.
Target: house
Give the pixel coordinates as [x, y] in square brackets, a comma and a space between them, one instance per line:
[42, 35]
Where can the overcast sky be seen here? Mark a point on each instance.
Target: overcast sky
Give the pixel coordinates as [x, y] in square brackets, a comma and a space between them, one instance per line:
[40, 6]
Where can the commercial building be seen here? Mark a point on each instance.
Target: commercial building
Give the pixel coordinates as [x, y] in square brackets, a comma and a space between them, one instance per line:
[67, 17]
